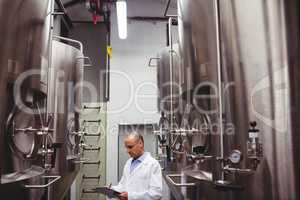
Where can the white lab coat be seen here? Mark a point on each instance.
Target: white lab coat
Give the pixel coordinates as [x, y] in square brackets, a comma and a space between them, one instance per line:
[144, 182]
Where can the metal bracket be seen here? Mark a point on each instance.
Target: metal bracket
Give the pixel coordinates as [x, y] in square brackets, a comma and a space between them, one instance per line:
[89, 64]
[150, 61]
[91, 177]
[91, 121]
[55, 178]
[92, 149]
[93, 135]
[92, 163]
[92, 107]
[83, 160]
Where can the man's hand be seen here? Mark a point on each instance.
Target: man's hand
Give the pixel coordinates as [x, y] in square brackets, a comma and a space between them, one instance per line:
[123, 196]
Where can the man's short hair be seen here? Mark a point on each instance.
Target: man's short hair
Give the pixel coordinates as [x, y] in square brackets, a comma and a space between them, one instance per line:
[136, 135]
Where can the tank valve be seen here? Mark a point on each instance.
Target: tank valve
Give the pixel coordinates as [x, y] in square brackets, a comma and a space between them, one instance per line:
[254, 154]
[254, 147]
[47, 154]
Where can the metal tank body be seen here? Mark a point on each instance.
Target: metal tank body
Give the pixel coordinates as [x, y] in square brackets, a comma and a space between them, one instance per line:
[26, 39]
[24, 45]
[67, 71]
[64, 104]
[260, 73]
[256, 63]
[164, 79]
[3, 71]
[25, 31]
[198, 51]
[197, 46]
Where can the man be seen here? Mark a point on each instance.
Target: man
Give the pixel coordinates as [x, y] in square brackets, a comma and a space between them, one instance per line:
[142, 179]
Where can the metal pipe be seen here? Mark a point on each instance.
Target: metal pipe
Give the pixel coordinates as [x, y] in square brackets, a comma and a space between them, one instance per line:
[55, 178]
[219, 67]
[237, 170]
[168, 177]
[167, 8]
[69, 40]
[171, 79]
[171, 71]
[107, 77]
[50, 53]
[149, 19]
[167, 34]
[66, 18]
[61, 5]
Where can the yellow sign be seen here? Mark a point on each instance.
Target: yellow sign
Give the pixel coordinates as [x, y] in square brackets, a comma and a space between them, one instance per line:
[109, 51]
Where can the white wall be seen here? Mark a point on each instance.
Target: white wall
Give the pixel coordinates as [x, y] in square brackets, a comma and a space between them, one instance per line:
[131, 57]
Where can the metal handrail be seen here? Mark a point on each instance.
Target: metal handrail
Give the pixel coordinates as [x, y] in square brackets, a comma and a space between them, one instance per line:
[150, 61]
[237, 170]
[179, 184]
[83, 160]
[56, 178]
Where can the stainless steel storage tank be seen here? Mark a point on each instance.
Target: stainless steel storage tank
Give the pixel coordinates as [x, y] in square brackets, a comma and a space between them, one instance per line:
[67, 71]
[25, 40]
[198, 51]
[24, 45]
[255, 61]
[260, 72]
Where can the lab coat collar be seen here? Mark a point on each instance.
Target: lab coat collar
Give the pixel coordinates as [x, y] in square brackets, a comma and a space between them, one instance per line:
[142, 157]
[144, 160]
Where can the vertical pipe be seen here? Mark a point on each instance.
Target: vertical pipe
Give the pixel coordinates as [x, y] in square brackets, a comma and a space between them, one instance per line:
[167, 34]
[107, 68]
[170, 39]
[167, 8]
[50, 54]
[171, 72]
[219, 67]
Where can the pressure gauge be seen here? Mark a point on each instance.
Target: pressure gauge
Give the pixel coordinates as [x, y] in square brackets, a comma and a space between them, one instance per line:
[235, 157]
[178, 146]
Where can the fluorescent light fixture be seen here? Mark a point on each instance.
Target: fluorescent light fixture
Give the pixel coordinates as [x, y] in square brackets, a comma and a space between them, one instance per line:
[122, 18]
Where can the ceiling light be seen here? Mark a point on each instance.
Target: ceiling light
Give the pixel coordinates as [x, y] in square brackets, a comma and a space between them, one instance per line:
[122, 18]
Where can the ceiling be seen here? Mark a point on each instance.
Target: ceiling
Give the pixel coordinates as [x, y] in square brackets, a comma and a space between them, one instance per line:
[79, 10]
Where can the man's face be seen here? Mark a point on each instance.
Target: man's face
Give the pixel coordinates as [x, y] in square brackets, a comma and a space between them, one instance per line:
[134, 147]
